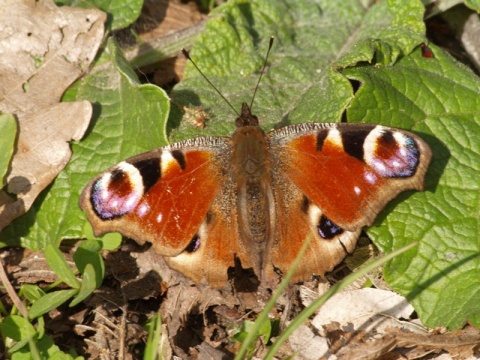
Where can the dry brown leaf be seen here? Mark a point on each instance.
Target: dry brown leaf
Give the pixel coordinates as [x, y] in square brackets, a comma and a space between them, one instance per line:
[364, 309]
[160, 17]
[44, 49]
[161, 24]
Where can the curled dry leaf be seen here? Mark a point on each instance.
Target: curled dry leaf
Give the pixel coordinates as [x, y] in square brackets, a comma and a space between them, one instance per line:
[44, 49]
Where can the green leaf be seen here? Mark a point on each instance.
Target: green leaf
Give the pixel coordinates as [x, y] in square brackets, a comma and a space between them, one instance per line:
[121, 13]
[243, 334]
[264, 331]
[301, 84]
[88, 253]
[17, 328]
[31, 292]
[8, 129]
[110, 241]
[57, 263]
[154, 327]
[40, 327]
[89, 284]
[47, 350]
[473, 4]
[50, 301]
[129, 118]
[20, 351]
[440, 100]
[60, 355]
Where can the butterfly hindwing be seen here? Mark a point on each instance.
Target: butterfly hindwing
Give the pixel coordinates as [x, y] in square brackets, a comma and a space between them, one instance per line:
[301, 221]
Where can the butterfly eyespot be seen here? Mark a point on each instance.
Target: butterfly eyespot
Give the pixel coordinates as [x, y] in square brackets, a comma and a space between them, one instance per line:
[327, 229]
[392, 154]
[194, 244]
[117, 193]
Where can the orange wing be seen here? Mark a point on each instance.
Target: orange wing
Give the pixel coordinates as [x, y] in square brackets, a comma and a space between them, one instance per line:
[330, 180]
[178, 197]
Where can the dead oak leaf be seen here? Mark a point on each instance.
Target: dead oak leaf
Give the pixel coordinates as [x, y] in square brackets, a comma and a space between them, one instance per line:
[44, 49]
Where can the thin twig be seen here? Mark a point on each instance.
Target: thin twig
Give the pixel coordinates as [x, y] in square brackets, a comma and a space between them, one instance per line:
[11, 292]
[122, 329]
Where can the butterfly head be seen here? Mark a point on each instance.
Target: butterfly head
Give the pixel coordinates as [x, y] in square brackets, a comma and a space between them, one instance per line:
[246, 118]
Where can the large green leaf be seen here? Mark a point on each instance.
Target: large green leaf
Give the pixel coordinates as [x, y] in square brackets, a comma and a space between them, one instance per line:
[439, 99]
[311, 36]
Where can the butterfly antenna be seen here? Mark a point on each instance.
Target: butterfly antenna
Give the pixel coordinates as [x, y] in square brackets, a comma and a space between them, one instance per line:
[263, 70]
[187, 55]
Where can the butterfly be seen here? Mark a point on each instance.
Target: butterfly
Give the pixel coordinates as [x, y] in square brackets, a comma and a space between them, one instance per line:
[255, 197]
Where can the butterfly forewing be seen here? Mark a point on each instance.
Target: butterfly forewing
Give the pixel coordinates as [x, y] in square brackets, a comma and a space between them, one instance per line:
[350, 171]
[161, 196]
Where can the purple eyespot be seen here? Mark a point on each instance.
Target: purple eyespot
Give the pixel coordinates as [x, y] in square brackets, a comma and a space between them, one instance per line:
[392, 154]
[194, 244]
[327, 229]
[117, 193]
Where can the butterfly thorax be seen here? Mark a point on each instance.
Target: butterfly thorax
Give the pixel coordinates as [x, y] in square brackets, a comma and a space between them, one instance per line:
[251, 173]
[249, 156]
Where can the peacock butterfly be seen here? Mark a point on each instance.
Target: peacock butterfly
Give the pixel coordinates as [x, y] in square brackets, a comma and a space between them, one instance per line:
[255, 197]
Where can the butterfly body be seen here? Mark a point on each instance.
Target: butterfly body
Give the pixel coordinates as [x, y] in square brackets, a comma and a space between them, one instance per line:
[206, 202]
